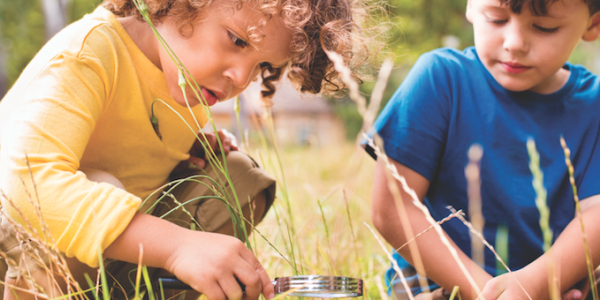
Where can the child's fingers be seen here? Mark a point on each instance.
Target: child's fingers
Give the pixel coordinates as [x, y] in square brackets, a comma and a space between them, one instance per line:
[248, 277]
[213, 292]
[229, 138]
[268, 290]
[197, 162]
[578, 291]
[209, 139]
[231, 288]
[492, 290]
[266, 287]
[573, 294]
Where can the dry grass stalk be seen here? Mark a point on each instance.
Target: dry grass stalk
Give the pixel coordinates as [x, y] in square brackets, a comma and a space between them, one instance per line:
[368, 114]
[33, 243]
[541, 200]
[394, 264]
[381, 289]
[346, 76]
[440, 222]
[588, 256]
[415, 200]
[488, 245]
[472, 173]
[408, 232]
[393, 173]
[377, 95]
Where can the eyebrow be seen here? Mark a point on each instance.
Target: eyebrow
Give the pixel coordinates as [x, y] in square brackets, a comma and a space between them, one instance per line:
[548, 15]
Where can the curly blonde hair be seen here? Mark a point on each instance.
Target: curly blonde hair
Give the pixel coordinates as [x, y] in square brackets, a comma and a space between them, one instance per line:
[316, 25]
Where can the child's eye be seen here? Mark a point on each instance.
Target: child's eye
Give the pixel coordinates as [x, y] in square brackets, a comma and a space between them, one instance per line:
[498, 22]
[545, 29]
[237, 41]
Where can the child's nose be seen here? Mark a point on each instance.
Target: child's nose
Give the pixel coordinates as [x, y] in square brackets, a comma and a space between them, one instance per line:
[241, 73]
[515, 39]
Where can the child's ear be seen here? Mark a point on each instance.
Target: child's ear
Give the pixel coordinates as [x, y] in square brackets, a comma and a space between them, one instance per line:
[469, 12]
[593, 30]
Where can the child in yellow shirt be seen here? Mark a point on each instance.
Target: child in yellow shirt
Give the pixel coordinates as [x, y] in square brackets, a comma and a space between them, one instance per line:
[82, 129]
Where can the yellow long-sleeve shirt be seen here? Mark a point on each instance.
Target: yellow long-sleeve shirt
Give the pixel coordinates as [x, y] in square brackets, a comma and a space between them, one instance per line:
[84, 102]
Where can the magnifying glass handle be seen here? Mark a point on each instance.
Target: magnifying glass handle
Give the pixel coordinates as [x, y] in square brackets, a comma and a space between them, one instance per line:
[172, 283]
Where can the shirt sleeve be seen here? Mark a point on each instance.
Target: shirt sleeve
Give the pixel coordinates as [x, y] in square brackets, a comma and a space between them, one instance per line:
[42, 146]
[414, 123]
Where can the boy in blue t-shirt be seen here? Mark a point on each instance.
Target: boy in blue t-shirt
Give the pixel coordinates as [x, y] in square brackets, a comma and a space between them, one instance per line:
[513, 85]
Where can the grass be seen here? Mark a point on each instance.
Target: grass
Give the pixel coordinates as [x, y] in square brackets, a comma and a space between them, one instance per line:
[326, 209]
[320, 223]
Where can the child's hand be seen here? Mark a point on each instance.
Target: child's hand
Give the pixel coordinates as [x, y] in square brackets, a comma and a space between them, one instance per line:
[197, 155]
[579, 291]
[211, 262]
[506, 287]
[197, 158]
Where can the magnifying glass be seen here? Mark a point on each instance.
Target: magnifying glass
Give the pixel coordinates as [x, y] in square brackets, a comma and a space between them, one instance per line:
[314, 286]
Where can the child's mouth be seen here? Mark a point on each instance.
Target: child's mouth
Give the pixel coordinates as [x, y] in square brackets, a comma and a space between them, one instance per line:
[514, 68]
[209, 97]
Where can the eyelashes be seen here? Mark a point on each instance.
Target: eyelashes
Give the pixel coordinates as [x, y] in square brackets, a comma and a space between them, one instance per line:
[537, 27]
[546, 30]
[239, 42]
[236, 40]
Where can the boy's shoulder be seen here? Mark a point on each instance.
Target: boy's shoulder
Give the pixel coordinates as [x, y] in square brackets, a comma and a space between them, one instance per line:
[586, 80]
[451, 66]
[450, 58]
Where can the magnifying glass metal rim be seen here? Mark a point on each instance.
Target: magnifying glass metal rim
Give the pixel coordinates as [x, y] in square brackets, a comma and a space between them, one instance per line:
[314, 286]
[319, 286]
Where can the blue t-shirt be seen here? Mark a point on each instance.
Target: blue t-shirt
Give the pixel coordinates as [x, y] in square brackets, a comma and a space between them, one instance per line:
[448, 102]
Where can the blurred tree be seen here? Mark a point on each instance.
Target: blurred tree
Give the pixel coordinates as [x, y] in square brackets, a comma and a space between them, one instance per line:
[424, 25]
[22, 34]
[3, 80]
[55, 15]
[416, 26]
[23, 30]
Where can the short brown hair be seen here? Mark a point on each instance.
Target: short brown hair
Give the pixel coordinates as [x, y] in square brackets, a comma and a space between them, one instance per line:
[540, 7]
[316, 25]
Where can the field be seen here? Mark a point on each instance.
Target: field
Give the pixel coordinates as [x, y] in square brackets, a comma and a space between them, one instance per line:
[328, 192]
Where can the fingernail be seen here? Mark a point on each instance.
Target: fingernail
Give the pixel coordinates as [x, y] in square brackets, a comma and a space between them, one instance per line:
[577, 295]
[271, 296]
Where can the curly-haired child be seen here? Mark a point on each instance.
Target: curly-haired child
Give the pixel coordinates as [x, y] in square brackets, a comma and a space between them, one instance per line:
[77, 135]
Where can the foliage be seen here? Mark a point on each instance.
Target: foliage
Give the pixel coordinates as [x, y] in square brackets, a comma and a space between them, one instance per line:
[417, 26]
[22, 32]
[422, 25]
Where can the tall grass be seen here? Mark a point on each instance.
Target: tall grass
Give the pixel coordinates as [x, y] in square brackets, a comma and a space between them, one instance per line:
[323, 198]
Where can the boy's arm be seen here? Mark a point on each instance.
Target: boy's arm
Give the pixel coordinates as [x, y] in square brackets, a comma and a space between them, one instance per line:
[439, 264]
[567, 256]
[208, 262]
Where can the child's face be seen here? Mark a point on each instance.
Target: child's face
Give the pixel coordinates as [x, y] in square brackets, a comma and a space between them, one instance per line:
[527, 52]
[219, 55]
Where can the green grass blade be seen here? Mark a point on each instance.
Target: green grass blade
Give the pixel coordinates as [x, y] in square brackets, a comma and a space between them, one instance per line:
[91, 284]
[147, 282]
[105, 294]
[501, 246]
